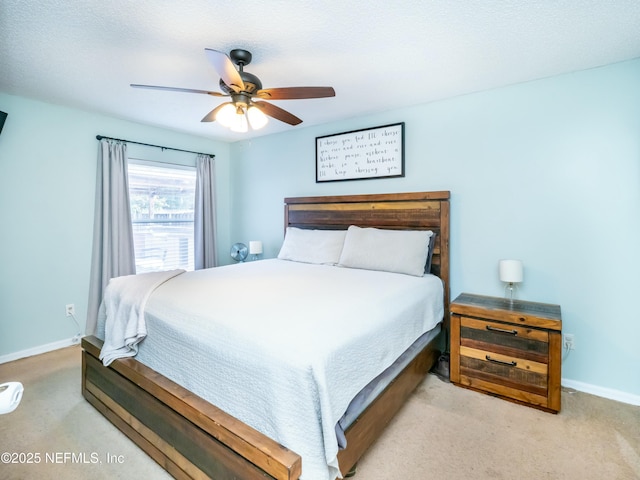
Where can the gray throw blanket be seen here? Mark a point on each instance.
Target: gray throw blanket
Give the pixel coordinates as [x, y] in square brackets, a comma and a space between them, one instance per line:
[123, 310]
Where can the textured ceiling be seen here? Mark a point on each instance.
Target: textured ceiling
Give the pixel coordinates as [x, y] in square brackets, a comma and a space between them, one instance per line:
[377, 54]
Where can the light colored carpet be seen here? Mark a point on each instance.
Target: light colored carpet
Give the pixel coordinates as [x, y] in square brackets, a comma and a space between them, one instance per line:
[443, 432]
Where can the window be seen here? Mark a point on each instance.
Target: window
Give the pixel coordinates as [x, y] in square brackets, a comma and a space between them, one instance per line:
[162, 202]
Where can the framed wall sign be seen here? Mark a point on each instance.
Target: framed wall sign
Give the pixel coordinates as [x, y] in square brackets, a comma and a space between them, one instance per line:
[361, 154]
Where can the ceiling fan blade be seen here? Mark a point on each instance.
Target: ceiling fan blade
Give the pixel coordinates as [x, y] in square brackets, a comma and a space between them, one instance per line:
[225, 68]
[293, 93]
[176, 89]
[211, 116]
[277, 113]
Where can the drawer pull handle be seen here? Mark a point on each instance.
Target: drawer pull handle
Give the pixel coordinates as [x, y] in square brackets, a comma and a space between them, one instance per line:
[501, 362]
[500, 330]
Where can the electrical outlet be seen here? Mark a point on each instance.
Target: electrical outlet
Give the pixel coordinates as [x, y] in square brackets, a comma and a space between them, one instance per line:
[70, 309]
[568, 341]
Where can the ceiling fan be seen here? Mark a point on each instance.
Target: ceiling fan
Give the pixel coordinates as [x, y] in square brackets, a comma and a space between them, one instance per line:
[247, 106]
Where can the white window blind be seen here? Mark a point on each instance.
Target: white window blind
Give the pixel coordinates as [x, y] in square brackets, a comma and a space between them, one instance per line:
[162, 203]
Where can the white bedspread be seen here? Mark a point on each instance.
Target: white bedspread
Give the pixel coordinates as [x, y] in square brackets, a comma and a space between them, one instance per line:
[123, 309]
[285, 346]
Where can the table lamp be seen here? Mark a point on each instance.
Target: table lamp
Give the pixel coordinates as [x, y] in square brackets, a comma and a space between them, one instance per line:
[511, 274]
[255, 249]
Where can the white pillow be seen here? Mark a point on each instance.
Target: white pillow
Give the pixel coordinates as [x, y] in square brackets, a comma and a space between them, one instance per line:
[397, 251]
[312, 246]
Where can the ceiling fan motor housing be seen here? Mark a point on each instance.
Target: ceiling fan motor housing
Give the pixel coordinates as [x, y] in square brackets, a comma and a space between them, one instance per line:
[251, 83]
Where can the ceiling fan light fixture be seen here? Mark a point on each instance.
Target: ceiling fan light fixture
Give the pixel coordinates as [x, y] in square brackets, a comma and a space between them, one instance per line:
[239, 122]
[225, 116]
[257, 119]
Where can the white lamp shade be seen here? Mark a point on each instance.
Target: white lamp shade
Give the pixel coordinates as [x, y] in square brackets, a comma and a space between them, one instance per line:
[239, 123]
[255, 247]
[257, 119]
[511, 271]
[226, 115]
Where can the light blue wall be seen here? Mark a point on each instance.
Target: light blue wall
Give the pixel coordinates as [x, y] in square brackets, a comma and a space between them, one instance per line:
[547, 172]
[47, 186]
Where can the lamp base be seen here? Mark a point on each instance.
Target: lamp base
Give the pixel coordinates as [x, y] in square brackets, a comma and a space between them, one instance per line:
[509, 289]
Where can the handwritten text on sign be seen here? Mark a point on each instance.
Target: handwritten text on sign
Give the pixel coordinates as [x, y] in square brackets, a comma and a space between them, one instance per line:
[371, 153]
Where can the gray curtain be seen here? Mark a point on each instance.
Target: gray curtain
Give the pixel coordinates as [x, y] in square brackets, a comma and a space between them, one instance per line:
[113, 253]
[205, 213]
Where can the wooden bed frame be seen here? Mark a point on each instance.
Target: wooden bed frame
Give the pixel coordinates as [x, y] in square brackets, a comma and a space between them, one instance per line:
[191, 438]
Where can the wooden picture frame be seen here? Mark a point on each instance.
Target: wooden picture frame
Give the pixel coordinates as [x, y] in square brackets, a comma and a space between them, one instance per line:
[376, 152]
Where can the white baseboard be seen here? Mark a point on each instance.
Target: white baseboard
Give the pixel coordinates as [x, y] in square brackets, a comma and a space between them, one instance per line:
[49, 347]
[609, 393]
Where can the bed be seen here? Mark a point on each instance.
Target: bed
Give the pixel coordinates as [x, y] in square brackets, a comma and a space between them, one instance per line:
[193, 438]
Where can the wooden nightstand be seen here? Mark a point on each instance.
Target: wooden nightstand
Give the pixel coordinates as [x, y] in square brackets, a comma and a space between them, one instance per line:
[510, 349]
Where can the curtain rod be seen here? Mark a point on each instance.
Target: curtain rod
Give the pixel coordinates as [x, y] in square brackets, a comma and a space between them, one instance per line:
[100, 137]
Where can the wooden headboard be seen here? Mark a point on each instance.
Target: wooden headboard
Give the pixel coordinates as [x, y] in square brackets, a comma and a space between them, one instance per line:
[401, 211]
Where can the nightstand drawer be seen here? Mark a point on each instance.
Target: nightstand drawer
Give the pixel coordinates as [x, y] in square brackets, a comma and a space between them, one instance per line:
[504, 338]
